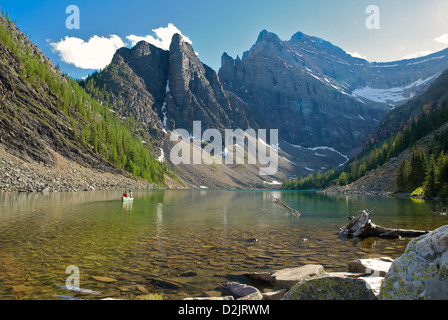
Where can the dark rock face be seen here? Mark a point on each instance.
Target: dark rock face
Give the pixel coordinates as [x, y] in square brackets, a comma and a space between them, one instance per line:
[195, 90]
[136, 80]
[195, 93]
[316, 94]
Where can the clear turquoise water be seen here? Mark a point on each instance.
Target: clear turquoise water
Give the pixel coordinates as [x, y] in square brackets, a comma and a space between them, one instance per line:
[181, 243]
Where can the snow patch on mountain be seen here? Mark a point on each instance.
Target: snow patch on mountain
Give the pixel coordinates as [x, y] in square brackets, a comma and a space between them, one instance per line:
[426, 60]
[347, 159]
[289, 161]
[392, 95]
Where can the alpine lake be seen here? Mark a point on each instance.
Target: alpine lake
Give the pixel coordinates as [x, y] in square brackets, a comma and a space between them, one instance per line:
[183, 243]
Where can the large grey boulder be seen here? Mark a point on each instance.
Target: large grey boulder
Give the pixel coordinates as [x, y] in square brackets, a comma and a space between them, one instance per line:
[422, 271]
[287, 278]
[331, 287]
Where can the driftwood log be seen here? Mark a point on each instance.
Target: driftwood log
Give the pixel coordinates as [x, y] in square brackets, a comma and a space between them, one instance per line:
[281, 204]
[362, 226]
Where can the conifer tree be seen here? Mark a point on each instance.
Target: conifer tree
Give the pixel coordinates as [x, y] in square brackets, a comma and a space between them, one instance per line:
[401, 178]
[354, 170]
[417, 172]
[442, 171]
[430, 189]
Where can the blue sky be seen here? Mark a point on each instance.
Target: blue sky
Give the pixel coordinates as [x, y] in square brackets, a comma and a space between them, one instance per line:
[408, 28]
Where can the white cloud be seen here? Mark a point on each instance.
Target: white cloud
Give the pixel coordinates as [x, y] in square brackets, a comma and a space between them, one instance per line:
[162, 38]
[98, 51]
[443, 39]
[95, 54]
[357, 55]
[418, 54]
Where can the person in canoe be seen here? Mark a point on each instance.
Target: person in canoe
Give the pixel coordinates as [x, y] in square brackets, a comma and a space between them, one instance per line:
[128, 196]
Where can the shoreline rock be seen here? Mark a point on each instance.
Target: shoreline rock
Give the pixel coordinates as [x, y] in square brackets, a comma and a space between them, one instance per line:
[243, 290]
[375, 266]
[422, 271]
[345, 190]
[331, 287]
[287, 278]
[284, 282]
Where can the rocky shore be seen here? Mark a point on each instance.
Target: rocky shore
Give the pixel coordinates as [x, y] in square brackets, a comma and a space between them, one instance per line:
[349, 190]
[361, 281]
[17, 175]
[419, 274]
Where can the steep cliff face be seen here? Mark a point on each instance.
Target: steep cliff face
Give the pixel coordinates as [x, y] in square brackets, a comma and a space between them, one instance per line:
[316, 94]
[195, 93]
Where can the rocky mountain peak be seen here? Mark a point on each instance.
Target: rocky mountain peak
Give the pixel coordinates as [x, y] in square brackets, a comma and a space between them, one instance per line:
[179, 44]
[176, 41]
[227, 60]
[266, 36]
[298, 36]
[141, 51]
[143, 48]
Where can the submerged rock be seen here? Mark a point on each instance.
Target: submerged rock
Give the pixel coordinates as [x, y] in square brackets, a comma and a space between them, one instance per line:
[104, 279]
[422, 271]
